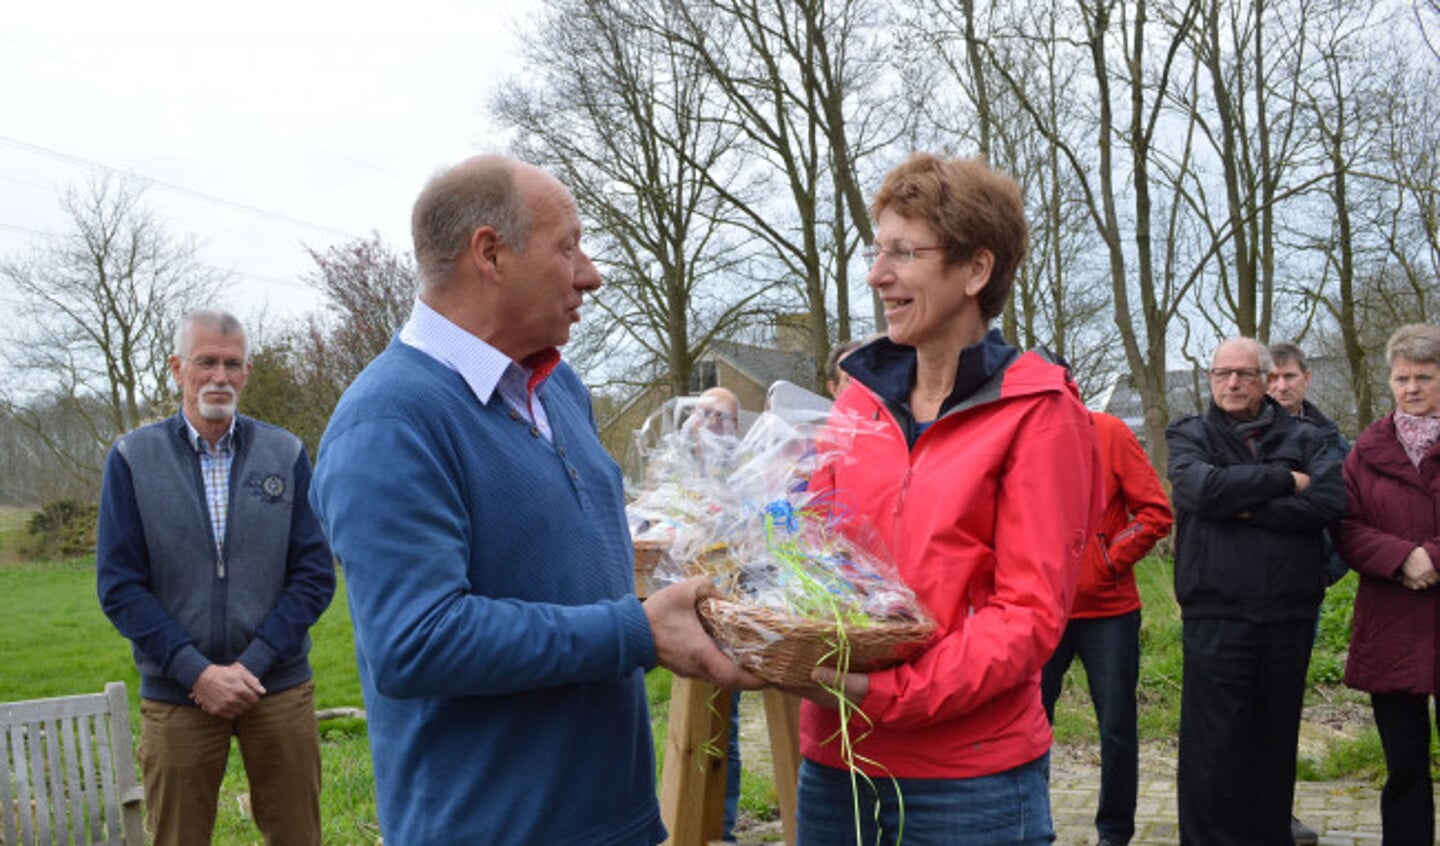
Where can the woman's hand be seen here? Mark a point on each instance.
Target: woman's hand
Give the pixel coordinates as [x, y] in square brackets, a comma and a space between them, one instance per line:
[823, 691]
[1418, 571]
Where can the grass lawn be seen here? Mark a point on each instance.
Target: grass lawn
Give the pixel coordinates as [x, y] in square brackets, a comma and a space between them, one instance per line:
[56, 641]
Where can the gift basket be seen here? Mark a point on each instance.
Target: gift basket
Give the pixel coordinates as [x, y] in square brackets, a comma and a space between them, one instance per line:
[805, 583]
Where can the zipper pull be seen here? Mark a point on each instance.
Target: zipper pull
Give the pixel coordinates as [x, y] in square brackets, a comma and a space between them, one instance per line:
[220, 566]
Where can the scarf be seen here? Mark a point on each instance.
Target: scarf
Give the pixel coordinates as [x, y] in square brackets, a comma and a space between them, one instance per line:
[1250, 430]
[1416, 434]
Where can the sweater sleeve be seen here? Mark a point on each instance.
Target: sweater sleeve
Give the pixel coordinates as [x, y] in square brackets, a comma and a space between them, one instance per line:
[122, 579]
[309, 583]
[394, 508]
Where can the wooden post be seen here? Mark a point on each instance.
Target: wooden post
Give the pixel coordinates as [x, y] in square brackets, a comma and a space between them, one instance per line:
[692, 784]
[782, 715]
[692, 781]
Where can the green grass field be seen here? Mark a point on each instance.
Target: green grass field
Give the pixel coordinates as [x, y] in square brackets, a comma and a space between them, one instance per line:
[56, 641]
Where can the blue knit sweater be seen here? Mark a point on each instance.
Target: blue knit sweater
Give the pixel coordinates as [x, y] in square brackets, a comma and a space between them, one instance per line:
[490, 578]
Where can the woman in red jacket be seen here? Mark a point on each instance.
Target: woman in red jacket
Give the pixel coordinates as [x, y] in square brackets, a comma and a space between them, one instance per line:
[1104, 627]
[1391, 535]
[983, 485]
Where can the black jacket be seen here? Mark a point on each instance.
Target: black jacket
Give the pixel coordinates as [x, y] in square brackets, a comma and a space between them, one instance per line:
[1247, 546]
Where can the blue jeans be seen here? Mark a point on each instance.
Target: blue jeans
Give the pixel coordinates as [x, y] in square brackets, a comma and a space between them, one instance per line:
[1109, 647]
[1011, 808]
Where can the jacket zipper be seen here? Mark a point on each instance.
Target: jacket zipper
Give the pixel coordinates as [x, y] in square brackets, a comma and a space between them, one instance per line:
[904, 491]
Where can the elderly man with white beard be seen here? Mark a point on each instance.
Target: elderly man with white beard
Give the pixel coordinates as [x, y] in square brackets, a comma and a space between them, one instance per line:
[210, 561]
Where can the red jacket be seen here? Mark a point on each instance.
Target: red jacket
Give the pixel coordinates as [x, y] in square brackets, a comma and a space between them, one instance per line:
[1391, 509]
[1137, 514]
[986, 518]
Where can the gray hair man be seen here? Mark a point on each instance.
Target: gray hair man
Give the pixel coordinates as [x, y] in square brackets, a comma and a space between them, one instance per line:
[210, 561]
[1253, 491]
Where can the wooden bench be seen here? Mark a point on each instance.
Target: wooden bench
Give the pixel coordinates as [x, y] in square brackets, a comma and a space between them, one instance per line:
[67, 771]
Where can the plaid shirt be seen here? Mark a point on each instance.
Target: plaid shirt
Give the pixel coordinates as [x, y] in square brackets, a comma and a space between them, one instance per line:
[215, 471]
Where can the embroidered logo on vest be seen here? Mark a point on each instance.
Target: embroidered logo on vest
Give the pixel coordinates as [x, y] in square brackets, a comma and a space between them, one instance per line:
[269, 488]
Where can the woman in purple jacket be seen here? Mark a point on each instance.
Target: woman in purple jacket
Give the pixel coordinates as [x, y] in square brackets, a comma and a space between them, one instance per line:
[1391, 535]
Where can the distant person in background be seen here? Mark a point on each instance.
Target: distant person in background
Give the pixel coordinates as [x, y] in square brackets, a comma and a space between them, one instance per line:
[1391, 536]
[1253, 491]
[210, 561]
[837, 380]
[717, 416]
[1288, 383]
[1104, 627]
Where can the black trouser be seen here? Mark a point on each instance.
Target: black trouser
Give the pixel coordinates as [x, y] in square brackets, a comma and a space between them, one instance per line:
[1407, 805]
[1239, 724]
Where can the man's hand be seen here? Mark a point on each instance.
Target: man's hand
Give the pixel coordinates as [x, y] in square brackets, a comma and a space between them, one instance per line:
[226, 691]
[1302, 481]
[1418, 571]
[682, 645]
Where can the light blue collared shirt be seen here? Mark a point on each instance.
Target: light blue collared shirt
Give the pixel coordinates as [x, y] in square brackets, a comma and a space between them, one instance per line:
[485, 369]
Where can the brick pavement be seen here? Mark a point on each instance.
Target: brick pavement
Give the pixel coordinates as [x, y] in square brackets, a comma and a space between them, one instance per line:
[1344, 813]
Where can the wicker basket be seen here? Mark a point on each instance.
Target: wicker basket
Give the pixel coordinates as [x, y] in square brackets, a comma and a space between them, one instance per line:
[785, 650]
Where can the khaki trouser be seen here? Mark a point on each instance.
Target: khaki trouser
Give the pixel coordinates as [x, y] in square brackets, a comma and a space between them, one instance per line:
[183, 752]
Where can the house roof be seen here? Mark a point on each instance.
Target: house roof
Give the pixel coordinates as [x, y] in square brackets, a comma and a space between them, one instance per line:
[766, 365]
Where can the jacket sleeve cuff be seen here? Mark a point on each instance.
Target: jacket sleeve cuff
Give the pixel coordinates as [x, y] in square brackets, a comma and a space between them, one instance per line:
[881, 695]
[638, 639]
[187, 665]
[258, 658]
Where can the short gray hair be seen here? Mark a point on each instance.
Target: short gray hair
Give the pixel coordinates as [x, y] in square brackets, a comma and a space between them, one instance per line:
[1262, 352]
[221, 321]
[481, 191]
[1417, 342]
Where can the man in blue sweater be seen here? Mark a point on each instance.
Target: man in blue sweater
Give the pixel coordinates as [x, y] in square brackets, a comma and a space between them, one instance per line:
[210, 561]
[487, 556]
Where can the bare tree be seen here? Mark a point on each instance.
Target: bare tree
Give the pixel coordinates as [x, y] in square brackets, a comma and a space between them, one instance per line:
[642, 138]
[97, 317]
[368, 290]
[1115, 38]
[300, 372]
[811, 100]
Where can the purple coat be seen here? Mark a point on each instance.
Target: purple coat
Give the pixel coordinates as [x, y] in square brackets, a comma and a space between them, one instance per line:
[1390, 510]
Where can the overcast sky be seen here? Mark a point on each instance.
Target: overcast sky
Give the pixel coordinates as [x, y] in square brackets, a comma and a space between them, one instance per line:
[262, 126]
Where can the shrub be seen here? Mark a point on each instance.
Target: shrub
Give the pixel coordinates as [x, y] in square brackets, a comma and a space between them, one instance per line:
[60, 529]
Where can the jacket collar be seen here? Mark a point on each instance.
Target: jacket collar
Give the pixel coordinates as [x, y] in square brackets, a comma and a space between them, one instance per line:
[888, 369]
[1380, 448]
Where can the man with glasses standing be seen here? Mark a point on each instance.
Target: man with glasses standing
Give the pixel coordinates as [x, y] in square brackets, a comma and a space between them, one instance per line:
[211, 562]
[1253, 491]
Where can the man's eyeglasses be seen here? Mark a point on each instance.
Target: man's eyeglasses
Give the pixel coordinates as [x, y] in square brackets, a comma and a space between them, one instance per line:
[897, 254]
[1246, 374]
[208, 363]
